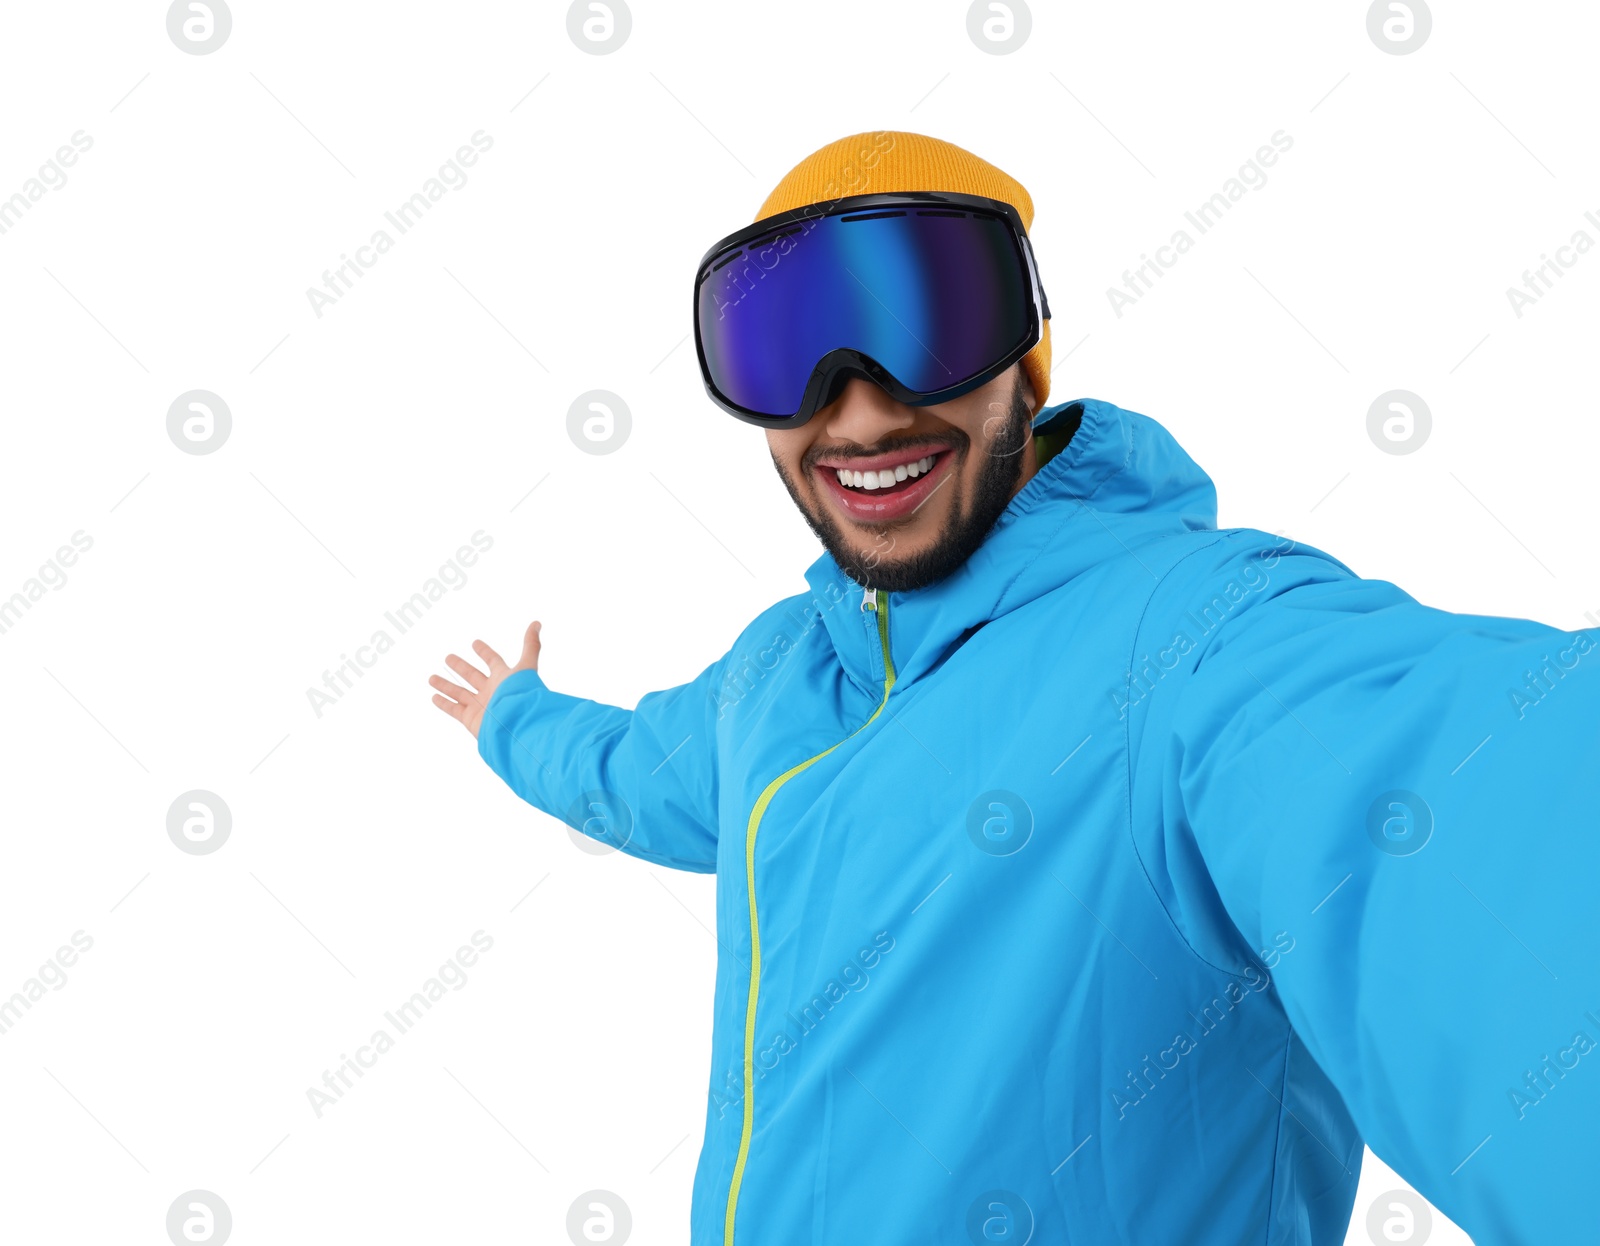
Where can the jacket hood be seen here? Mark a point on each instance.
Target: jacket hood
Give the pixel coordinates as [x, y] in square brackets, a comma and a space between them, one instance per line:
[1122, 481]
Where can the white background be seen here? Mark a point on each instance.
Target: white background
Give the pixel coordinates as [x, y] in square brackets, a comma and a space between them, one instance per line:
[371, 442]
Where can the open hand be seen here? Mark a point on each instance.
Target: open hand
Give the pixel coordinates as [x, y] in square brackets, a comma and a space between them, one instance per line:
[466, 705]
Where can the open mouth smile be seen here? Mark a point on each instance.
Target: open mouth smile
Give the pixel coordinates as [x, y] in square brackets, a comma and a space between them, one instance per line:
[885, 487]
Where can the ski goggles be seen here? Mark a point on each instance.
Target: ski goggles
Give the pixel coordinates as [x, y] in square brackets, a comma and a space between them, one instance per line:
[928, 294]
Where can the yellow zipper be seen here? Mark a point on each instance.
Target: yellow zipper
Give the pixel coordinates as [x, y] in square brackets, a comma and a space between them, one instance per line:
[869, 601]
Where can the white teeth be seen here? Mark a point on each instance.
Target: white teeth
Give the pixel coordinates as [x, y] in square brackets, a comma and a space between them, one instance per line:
[884, 477]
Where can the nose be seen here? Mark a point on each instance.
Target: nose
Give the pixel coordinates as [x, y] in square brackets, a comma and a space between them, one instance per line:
[864, 413]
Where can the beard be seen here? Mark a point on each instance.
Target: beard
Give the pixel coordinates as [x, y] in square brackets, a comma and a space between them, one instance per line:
[964, 530]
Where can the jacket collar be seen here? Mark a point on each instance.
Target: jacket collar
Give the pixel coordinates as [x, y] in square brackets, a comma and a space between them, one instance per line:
[1121, 481]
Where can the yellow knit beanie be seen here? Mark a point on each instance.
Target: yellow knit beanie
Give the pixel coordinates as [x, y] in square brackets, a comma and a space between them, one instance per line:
[889, 161]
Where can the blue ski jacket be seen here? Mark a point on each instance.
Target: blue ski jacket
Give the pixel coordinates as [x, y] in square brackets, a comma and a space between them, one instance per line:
[1117, 887]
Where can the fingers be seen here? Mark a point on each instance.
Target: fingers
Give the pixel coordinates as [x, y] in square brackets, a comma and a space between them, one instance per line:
[455, 691]
[466, 704]
[467, 671]
[455, 709]
[498, 669]
[530, 647]
[497, 664]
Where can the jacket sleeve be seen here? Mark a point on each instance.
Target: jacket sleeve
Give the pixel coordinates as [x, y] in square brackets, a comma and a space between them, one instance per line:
[642, 780]
[1413, 797]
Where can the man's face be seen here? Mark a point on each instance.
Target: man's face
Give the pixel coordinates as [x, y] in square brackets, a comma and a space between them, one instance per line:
[924, 518]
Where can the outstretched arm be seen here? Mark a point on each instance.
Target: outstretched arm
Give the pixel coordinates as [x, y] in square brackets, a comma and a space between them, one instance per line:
[642, 780]
[1413, 795]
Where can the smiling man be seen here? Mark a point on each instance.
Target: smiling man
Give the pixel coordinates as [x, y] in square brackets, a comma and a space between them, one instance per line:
[902, 496]
[1085, 873]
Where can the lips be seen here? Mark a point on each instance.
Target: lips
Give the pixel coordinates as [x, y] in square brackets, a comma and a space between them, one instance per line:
[890, 502]
[891, 460]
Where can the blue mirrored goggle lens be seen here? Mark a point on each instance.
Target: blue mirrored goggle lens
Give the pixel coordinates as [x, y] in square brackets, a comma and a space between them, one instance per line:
[935, 296]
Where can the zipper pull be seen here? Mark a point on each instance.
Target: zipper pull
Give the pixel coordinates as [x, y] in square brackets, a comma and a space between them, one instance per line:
[869, 599]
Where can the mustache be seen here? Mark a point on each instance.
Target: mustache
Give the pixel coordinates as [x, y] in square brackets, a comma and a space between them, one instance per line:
[955, 440]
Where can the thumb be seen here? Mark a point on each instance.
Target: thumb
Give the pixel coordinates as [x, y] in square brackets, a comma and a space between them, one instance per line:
[530, 648]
